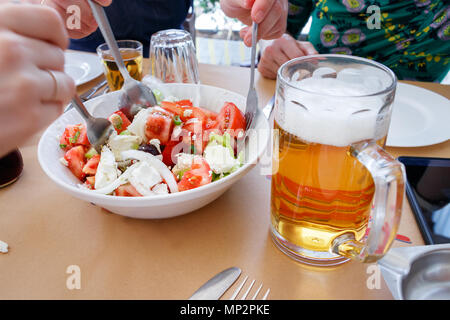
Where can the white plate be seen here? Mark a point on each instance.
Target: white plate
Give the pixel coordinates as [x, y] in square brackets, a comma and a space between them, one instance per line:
[82, 66]
[419, 118]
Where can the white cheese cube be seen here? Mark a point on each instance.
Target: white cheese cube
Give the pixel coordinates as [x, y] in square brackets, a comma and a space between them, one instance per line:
[220, 159]
[145, 177]
[119, 143]
[107, 170]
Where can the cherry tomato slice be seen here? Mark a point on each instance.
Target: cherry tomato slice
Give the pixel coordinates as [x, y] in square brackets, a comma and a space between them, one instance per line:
[230, 119]
[199, 175]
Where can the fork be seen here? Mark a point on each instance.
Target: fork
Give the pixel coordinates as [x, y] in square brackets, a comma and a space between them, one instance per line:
[252, 97]
[135, 94]
[244, 296]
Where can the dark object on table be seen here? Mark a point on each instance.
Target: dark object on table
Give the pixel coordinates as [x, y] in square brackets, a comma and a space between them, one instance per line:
[428, 191]
[11, 167]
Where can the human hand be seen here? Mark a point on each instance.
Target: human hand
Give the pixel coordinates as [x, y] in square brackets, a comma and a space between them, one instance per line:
[33, 85]
[87, 23]
[271, 15]
[280, 51]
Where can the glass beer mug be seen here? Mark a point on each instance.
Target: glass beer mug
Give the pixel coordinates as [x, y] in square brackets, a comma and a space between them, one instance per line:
[336, 194]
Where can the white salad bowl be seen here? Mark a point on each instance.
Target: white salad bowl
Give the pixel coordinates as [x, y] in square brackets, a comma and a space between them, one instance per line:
[158, 206]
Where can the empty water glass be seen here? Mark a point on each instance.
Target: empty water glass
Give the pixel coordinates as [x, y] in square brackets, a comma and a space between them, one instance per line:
[173, 57]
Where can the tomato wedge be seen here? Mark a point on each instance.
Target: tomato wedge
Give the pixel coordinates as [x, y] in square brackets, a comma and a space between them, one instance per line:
[119, 121]
[184, 103]
[230, 119]
[90, 168]
[167, 152]
[74, 135]
[76, 161]
[159, 126]
[199, 175]
[210, 114]
[172, 107]
[127, 190]
[90, 182]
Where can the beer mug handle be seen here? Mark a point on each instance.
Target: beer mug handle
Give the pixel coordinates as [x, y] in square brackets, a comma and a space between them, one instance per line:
[388, 175]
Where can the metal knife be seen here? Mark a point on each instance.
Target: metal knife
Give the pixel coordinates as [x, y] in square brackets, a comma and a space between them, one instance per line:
[214, 288]
[86, 96]
[89, 94]
[267, 110]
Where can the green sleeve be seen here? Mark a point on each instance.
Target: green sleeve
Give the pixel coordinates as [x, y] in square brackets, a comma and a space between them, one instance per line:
[299, 12]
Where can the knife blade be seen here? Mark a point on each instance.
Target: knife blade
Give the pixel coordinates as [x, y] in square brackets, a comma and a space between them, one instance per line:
[91, 92]
[267, 110]
[214, 288]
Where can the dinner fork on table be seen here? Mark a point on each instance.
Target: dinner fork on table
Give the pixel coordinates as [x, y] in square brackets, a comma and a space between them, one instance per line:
[249, 288]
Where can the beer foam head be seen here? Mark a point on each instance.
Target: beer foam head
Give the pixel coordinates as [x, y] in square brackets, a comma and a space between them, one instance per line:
[332, 111]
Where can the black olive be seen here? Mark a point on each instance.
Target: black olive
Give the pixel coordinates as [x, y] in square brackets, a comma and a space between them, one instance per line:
[149, 148]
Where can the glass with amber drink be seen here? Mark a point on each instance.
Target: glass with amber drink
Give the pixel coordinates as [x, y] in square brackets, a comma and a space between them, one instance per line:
[131, 52]
[336, 193]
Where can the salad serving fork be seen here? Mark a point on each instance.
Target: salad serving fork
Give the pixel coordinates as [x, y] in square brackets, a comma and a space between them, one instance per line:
[98, 129]
[135, 94]
[252, 97]
[251, 108]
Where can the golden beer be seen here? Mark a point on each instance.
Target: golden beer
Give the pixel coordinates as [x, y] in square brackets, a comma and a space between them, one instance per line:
[319, 192]
[133, 62]
[336, 193]
[131, 52]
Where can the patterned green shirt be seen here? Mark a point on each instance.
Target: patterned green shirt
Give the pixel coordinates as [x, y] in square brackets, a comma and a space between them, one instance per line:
[412, 37]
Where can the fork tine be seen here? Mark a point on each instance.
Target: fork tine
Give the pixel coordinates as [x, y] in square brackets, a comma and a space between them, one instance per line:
[236, 292]
[257, 291]
[248, 290]
[266, 295]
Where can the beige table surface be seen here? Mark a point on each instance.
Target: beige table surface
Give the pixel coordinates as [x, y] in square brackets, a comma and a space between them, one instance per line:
[122, 258]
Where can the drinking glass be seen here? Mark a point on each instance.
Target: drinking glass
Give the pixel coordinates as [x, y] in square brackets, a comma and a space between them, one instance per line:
[333, 176]
[132, 54]
[11, 167]
[173, 57]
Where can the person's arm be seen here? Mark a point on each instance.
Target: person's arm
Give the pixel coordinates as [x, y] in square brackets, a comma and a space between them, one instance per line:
[298, 15]
[87, 20]
[269, 14]
[33, 85]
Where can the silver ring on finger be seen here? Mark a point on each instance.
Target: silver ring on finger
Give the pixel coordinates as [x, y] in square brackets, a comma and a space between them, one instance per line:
[55, 85]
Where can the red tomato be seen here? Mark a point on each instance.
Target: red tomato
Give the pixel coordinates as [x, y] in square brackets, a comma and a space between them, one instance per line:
[74, 135]
[122, 124]
[167, 153]
[172, 107]
[90, 168]
[127, 190]
[183, 103]
[172, 148]
[230, 119]
[90, 182]
[159, 126]
[210, 114]
[199, 175]
[199, 128]
[194, 113]
[76, 161]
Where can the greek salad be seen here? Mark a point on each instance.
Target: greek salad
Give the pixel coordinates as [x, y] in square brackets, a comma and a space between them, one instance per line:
[172, 147]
